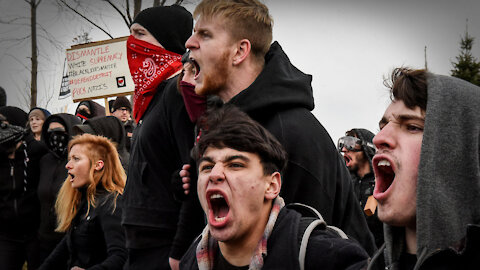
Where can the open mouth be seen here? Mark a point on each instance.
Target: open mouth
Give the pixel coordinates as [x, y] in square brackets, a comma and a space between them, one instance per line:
[197, 68]
[384, 175]
[71, 176]
[219, 208]
[347, 159]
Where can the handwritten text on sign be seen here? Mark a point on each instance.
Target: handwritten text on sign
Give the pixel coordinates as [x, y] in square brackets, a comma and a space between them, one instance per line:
[99, 69]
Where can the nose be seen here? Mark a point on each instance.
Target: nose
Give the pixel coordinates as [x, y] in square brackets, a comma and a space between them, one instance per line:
[191, 42]
[68, 166]
[385, 138]
[344, 149]
[217, 174]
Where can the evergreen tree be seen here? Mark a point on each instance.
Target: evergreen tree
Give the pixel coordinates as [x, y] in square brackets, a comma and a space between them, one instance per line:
[467, 67]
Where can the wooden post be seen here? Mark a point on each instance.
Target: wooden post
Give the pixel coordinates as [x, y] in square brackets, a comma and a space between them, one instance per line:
[107, 107]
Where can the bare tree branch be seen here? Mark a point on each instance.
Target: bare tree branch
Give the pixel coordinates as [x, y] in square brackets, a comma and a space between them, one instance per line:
[119, 12]
[87, 19]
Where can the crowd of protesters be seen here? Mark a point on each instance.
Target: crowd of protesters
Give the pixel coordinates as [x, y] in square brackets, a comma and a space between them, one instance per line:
[220, 164]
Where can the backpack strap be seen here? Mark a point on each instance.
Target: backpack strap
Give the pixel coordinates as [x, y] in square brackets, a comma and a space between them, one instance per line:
[311, 219]
[304, 242]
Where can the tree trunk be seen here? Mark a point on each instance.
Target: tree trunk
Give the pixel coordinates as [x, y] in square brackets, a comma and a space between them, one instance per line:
[137, 7]
[33, 26]
[156, 3]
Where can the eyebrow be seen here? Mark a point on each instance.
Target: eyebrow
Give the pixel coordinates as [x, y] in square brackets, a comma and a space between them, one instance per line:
[226, 159]
[402, 118]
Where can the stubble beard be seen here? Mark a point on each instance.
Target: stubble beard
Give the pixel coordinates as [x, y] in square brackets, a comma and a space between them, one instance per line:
[215, 81]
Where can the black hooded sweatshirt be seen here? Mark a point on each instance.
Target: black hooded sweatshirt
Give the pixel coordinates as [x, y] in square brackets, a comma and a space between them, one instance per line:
[52, 176]
[281, 99]
[161, 144]
[112, 128]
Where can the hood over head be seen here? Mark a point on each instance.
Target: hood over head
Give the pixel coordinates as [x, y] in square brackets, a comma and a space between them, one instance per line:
[66, 119]
[366, 136]
[448, 185]
[108, 126]
[280, 85]
[14, 115]
[95, 109]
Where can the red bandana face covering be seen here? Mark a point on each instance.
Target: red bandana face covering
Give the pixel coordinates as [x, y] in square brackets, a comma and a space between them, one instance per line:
[149, 66]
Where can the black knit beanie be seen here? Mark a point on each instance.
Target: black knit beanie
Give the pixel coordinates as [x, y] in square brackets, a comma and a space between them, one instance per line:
[170, 25]
[122, 102]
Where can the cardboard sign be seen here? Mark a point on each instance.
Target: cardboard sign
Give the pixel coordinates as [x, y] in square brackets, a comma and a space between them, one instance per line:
[99, 70]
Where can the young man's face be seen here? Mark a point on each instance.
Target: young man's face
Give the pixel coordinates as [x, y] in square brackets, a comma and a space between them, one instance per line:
[396, 163]
[212, 51]
[235, 194]
[123, 114]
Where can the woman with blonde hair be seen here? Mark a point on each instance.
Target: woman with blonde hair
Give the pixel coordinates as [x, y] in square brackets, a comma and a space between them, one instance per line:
[88, 207]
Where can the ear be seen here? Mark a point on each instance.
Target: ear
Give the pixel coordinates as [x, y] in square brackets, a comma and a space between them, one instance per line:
[99, 165]
[242, 51]
[274, 184]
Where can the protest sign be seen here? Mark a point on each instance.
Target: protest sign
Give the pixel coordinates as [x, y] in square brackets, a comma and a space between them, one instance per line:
[99, 70]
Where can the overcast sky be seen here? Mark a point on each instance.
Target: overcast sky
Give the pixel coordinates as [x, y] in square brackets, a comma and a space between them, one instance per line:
[347, 46]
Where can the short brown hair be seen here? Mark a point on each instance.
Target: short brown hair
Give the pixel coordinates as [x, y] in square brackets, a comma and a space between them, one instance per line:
[409, 86]
[228, 127]
[245, 19]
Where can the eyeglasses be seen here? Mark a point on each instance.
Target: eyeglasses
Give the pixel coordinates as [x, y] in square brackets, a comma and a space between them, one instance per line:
[350, 143]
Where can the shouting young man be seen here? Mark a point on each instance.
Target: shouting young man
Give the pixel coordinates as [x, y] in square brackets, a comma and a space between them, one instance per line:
[239, 182]
[427, 173]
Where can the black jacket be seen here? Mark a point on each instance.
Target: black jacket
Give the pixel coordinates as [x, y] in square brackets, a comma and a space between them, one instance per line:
[52, 176]
[325, 250]
[281, 99]
[96, 241]
[161, 145]
[19, 205]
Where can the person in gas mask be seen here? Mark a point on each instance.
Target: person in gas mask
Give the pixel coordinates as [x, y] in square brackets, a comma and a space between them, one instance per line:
[19, 206]
[56, 133]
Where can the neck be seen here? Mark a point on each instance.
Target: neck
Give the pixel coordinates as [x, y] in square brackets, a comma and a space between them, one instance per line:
[241, 78]
[364, 169]
[239, 252]
[37, 136]
[411, 240]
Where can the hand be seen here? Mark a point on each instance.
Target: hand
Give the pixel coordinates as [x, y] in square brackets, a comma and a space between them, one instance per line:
[76, 268]
[174, 263]
[185, 175]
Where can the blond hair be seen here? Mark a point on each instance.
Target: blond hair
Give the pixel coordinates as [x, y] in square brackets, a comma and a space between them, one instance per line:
[111, 177]
[244, 19]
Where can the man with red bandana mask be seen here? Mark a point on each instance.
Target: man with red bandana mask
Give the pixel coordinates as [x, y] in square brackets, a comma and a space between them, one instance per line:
[162, 140]
[427, 173]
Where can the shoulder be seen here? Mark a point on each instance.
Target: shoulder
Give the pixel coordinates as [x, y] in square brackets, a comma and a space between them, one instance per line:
[327, 248]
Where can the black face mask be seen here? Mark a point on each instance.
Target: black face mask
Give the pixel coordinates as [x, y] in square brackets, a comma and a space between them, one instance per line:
[58, 141]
